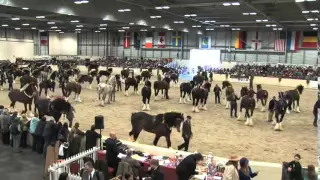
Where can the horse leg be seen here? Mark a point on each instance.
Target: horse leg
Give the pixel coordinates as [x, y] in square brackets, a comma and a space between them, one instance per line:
[193, 104]
[263, 103]
[181, 96]
[162, 95]
[148, 99]
[156, 139]
[277, 126]
[196, 107]
[205, 104]
[166, 91]
[40, 91]
[25, 107]
[247, 117]
[289, 107]
[298, 108]
[281, 119]
[185, 99]
[46, 92]
[240, 113]
[156, 92]
[168, 140]
[144, 99]
[250, 116]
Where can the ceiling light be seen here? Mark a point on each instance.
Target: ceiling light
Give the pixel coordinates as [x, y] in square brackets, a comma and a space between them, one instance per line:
[15, 19]
[5, 25]
[268, 25]
[103, 24]
[224, 25]
[235, 4]
[85, 1]
[54, 27]
[17, 28]
[258, 20]
[265, 20]
[77, 29]
[277, 29]
[143, 30]
[165, 7]
[273, 25]
[40, 17]
[153, 17]
[61, 32]
[315, 11]
[124, 10]
[209, 21]
[131, 23]
[170, 29]
[193, 15]
[235, 29]
[305, 0]
[153, 27]
[102, 28]
[227, 4]
[185, 30]
[199, 32]
[210, 29]
[25, 24]
[315, 28]
[125, 27]
[178, 22]
[79, 25]
[196, 26]
[58, 30]
[187, 15]
[310, 19]
[25, 8]
[121, 30]
[305, 12]
[51, 22]
[97, 31]
[74, 21]
[253, 13]
[33, 28]
[313, 24]
[245, 14]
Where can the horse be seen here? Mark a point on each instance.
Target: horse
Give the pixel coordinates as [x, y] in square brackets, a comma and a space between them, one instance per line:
[161, 85]
[85, 78]
[92, 66]
[185, 88]
[198, 79]
[106, 73]
[118, 79]
[55, 108]
[262, 95]
[104, 90]
[244, 91]
[249, 103]
[228, 92]
[146, 75]
[25, 95]
[315, 113]
[27, 79]
[146, 94]
[280, 110]
[174, 77]
[292, 96]
[125, 73]
[131, 81]
[160, 125]
[112, 81]
[68, 87]
[46, 84]
[199, 94]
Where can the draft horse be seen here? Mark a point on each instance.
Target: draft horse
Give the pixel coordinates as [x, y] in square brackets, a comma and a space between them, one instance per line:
[199, 94]
[185, 89]
[248, 103]
[161, 85]
[280, 109]
[25, 95]
[293, 96]
[69, 87]
[262, 95]
[146, 94]
[228, 92]
[160, 125]
[131, 81]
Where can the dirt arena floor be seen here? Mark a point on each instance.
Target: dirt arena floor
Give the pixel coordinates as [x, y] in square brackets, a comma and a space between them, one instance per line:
[214, 130]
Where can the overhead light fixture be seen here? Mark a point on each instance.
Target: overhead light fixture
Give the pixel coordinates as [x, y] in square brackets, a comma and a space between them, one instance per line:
[131, 23]
[235, 29]
[199, 32]
[97, 31]
[15, 19]
[178, 22]
[258, 20]
[61, 32]
[249, 13]
[227, 4]
[40, 17]
[58, 30]
[224, 25]
[315, 28]
[315, 11]
[74, 21]
[253, 13]
[33, 28]
[312, 19]
[245, 14]
[54, 27]
[77, 29]
[25, 8]
[277, 29]
[153, 17]
[235, 4]
[162, 7]
[207, 21]
[170, 29]
[305, 0]
[143, 30]
[103, 24]
[313, 24]
[210, 29]
[125, 27]
[153, 27]
[312, 11]
[196, 26]
[305, 12]
[17, 28]
[121, 30]
[81, 1]
[232, 3]
[185, 30]
[5, 25]
[25, 24]
[265, 20]
[79, 25]
[51, 22]
[190, 15]
[102, 28]
[124, 10]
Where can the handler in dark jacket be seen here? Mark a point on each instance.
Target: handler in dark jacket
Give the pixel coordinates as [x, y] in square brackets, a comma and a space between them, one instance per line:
[233, 103]
[91, 138]
[217, 91]
[186, 134]
[271, 108]
[112, 152]
[188, 165]
[39, 135]
[295, 168]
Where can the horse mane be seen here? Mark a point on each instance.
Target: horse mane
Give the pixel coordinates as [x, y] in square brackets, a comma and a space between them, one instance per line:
[170, 117]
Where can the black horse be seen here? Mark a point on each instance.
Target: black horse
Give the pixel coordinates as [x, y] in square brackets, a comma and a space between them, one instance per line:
[25, 95]
[55, 108]
[130, 81]
[248, 103]
[280, 110]
[315, 113]
[125, 73]
[228, 92]
[185, 88]
[244, 91]
[262, 95]
[47, 84]
[146, 94]
[161, 85]
[160, 125]
[106, 73]
[85, 78]
[92, 66]
[200, 94]
[292, 96]
[68, 87]
[198, 79]
[174, 77]
[146, 75]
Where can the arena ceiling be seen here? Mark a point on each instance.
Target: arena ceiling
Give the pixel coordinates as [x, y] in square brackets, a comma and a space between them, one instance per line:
[180, 15]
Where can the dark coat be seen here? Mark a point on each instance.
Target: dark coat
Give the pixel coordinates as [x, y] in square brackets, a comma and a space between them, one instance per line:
[187, 168]
[91, 139]
[186, 129]
[216, 89]
[112, 151]
[296, 172]
[63, 134]
[271, 105]
[40, 128]
[243, 176]
[155, 174]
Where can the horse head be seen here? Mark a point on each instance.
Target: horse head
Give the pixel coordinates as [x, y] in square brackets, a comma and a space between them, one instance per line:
[259, 87]
[159, 77]
[192, 84]
[173, 119]
[225, 84]
[148, 84]
[244, 91]
[70, 113]
[300, 88]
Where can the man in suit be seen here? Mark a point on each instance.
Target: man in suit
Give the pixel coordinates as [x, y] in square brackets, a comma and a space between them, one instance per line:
[186, 133]
[112, 152]
[91, 138]
[135, 165]
[90, 173]
[154, 170]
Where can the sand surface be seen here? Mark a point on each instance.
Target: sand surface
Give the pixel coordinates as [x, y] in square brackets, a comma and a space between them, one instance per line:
[214, 130]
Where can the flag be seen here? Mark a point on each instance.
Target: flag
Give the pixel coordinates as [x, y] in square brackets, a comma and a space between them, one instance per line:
[310, 39]
[44, 38]
[241, 40]
[176, 39]
[126, 40]
[279, 42]
[161, 39]
[293, 40]
[256, 41]
[205, 42]
[149, 39]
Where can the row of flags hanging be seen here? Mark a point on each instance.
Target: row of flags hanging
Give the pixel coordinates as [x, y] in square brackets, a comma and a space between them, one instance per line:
[290, 40]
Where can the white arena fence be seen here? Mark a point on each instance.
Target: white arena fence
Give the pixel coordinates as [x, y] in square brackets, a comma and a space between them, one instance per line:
[57, 168]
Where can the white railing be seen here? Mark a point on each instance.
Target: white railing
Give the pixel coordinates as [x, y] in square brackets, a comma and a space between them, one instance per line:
[57, 168]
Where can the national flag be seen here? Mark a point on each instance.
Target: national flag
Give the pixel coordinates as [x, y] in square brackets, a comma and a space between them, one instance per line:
[44, 38]
[293, 40]
[256, 42]
[126, 40]
[280, 42]
[161, 39]
[241, 40]
[149, 39]
[205, 42]
[310, 39]
[176, 39]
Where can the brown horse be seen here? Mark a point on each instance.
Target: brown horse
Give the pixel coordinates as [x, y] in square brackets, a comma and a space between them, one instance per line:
[161, 85]
[249, 103]
[25, 95]
[262, 95]
[72, 87]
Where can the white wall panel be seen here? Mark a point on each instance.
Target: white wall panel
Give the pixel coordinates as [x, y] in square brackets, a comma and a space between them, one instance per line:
[165, 54]
[63, 44]
[157, 53]
[311, 57]
[251, 57]
[240, 57]
[274, 58]
[102, 51]
[148, 53]
[95, 50]
[16, 48]
[262, 58]
[89, 37]
[127, 52]
[89, 51]
[297, 57]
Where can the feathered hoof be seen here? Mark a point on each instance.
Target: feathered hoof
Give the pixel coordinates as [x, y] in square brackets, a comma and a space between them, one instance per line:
[288, 112]
[277, 127]
[281, 126]
[298, 110]
[185, 102]
[193, 109]
[204, 108]
[196, 110]
[144, 107]
[250, 122]
[180, 101]
[247, 122]
[170, 148]
[148, 107]
[273, 122]
[239, 118]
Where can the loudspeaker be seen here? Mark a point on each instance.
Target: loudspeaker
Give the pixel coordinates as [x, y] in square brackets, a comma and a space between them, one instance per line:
[99, 122]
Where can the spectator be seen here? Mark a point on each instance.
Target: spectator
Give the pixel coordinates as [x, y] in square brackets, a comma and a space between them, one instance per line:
[154, 170]
[33, 125]
[295, 168]
[128, 176]
[102, 166]
[135, 165]
[245, 172]
[85, 160]
[231, 170]
[39, 135]
[187, 167]
[47, 135]
[113, 151]
[311, 173]
[24, 133]
[64, 176]
[15, 131]
[90, 173]
[75, 138]
[64, 133]
[4, 123]
[91, 138]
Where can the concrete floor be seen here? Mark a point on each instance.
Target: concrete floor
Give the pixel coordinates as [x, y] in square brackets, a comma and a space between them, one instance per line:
[19, 166]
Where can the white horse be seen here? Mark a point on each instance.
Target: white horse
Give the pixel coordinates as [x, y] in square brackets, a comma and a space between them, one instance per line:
[104, 90]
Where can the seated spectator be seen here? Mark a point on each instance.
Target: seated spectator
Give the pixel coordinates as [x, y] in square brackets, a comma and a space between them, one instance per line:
[33, 125]
[64, 176]
[91, 138]
[245, 172]
[154, 170]
[5, 123]
[311, 173]
[135, 165]
[90, 173]
[295, 168]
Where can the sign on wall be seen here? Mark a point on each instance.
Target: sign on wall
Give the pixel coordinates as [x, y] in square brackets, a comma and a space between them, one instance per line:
[205, 42]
